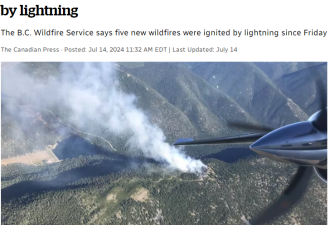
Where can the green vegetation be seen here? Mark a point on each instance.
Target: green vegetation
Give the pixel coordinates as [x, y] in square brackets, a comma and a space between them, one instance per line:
[229, 192]
[100, 181]
[253, 90]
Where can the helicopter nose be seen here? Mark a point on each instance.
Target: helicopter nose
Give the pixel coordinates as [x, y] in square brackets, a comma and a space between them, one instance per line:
[298, 143]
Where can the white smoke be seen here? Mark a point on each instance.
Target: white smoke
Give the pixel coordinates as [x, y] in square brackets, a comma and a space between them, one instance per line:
[90, 92]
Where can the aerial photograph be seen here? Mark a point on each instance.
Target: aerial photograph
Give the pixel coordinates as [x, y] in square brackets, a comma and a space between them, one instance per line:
[134, 143]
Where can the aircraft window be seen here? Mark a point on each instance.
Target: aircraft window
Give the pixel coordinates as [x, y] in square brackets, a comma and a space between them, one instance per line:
[286, 145]
[324, 143]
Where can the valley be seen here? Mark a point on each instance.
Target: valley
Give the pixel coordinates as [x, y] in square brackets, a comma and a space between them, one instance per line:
[77, 151]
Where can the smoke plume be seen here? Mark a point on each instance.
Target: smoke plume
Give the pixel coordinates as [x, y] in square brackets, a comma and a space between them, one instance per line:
[89, 92]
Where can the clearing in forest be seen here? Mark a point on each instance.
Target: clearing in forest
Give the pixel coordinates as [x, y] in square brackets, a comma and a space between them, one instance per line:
[35, 158]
